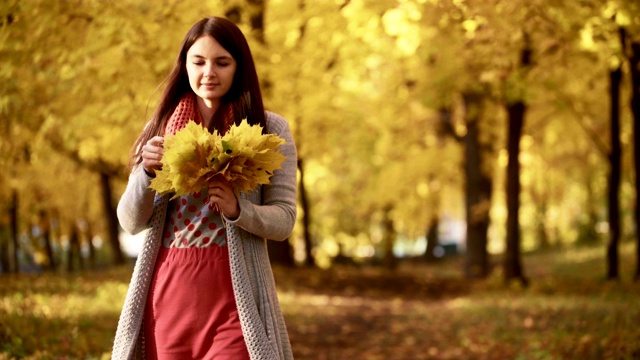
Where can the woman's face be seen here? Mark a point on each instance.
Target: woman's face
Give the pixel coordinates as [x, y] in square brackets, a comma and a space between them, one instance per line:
[210, 69]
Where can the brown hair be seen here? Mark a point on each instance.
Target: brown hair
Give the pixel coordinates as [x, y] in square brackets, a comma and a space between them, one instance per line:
[243, 100]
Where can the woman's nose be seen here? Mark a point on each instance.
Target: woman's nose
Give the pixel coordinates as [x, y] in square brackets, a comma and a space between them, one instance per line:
[209, 71]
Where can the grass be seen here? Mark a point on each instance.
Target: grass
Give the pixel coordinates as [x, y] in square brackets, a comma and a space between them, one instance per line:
[418, 311]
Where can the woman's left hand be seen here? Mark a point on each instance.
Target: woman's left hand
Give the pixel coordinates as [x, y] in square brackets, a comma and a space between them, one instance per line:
[221, 195]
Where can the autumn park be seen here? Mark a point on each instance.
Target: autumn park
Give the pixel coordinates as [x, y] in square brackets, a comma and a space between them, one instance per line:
[467, 171]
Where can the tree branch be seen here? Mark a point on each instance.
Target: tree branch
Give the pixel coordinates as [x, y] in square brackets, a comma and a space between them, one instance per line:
[446, 124]
[98, 165]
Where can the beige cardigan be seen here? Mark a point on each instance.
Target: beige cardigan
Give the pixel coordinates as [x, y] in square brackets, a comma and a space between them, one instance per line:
[267, 213]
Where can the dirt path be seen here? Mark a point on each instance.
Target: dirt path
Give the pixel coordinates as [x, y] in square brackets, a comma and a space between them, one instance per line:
[347, 313]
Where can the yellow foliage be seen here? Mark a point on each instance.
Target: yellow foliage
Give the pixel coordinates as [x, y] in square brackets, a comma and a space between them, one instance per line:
[193, 156]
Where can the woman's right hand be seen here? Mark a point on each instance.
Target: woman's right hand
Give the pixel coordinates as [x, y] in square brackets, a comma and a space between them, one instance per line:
[152, 153]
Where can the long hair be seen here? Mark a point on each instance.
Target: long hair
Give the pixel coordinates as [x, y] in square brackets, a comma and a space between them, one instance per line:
[243, 100]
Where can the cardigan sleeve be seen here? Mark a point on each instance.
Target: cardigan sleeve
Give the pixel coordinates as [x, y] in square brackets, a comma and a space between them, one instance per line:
[136, 203]
[275, 217]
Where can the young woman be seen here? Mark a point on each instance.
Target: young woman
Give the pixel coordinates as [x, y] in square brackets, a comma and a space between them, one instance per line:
[202, 287]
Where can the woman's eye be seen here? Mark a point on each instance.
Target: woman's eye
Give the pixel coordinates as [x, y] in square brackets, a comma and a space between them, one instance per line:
[198, 63]
[223, 64]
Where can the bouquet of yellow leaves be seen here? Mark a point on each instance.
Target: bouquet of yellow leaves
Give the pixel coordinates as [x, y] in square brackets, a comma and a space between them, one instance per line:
[243, 156]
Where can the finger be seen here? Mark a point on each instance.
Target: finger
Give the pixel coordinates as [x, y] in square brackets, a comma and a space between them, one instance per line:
[154, 156]
[216, 185]
[152, 149]
[152, 164]
[156, 141]
[218, 193]
[152, 146]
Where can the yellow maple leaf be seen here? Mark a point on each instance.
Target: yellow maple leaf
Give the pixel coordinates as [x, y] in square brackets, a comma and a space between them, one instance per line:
[243, 156]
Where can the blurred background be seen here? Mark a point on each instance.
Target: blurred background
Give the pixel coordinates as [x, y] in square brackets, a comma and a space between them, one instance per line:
[464, 134]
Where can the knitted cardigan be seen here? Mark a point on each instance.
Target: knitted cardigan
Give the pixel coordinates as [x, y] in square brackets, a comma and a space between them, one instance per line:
[266, 213]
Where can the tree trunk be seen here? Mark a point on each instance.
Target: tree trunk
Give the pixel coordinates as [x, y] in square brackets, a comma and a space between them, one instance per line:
[634, 62]
[587, 232]
[432, 238]
[256, 19]
[389, 260]
[306, 217]
[5, 240]
[516, 111]
[74, 250]
[45, 225]
[92, 248]
[541, 226]
[5, 264]
[615, 156]
[13, 211]
[281, 252]
[477, 192]
[252, 13]
[512, 262]
[112, 220]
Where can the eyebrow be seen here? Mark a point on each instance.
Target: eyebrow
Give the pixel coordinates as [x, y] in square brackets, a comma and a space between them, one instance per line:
[221, 57]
